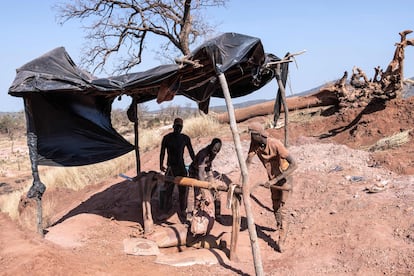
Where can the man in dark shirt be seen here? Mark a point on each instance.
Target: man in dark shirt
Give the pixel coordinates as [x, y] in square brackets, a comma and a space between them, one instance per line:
[174, 143]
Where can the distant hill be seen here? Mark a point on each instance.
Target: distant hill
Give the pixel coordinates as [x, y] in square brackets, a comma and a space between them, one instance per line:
[310, 91]
[2, 113]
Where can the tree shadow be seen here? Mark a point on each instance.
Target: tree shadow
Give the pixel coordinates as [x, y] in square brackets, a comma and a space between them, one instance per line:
[227, 266]
[267, 238]
[255, 199]
[374, 106]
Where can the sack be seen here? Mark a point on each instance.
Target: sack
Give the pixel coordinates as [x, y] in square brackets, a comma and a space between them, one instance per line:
[203, 218]
[199, 223]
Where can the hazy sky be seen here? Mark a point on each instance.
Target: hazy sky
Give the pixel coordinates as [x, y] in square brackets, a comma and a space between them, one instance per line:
[336, 35]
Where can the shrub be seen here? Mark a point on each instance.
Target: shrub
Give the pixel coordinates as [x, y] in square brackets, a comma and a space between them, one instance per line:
[391, 142]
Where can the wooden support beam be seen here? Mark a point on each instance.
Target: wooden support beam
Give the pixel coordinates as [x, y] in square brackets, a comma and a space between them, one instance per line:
[136, 132]
[258, 266]
[285, 108]
[192, 182]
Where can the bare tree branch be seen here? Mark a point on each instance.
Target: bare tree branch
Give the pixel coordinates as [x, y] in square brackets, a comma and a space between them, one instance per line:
[118, 30]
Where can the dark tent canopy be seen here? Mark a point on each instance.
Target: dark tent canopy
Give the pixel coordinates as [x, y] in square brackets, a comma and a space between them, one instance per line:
[68, 110]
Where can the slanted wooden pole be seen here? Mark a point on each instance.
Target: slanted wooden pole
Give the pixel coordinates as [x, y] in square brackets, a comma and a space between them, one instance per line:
[244, 174]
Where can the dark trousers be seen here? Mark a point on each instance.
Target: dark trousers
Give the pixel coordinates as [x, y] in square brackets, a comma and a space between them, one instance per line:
[278, 200]
[169, 189]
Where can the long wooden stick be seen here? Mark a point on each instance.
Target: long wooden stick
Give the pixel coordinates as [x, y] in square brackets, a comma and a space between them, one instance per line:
[39, 216]
[192, 182]
[235, 212]
[285, 108]
[246, 193]
[136, 132]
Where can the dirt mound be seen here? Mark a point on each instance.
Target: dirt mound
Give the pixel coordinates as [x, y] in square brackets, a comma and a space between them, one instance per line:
[337, 226]
[361, 128]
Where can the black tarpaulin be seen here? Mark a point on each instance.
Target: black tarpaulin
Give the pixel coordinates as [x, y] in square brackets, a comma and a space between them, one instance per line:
[69, 110]
[241, 58]
[52, 72]
[73, 130]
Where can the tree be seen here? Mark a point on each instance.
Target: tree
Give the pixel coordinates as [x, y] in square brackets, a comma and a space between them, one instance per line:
[123, 27]
[12, 125]
[385, 85]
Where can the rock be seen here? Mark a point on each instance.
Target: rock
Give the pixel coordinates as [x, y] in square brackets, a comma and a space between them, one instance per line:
[173, 235]
[140, 247]
[193, 257]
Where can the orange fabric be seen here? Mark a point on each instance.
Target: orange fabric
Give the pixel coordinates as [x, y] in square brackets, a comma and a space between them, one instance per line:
[166, 93]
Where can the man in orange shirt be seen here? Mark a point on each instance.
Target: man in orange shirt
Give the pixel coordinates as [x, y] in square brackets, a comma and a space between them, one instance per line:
[279, 165]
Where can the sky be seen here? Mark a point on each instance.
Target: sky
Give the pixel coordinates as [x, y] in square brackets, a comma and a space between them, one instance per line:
[336, 35]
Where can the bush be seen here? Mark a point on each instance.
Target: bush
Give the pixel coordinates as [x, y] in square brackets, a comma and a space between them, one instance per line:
[12, 123]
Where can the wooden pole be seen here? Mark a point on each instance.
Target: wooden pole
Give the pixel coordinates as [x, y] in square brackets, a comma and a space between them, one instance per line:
[136, 131]
[192, 182]
[235, 212]
[282, 88]
[39, 216]
[285, 108]
[244, 174]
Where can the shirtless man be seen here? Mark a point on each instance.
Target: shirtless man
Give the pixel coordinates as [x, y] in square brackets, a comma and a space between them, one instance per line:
[175, 143]
[279, 165]
[200, 168]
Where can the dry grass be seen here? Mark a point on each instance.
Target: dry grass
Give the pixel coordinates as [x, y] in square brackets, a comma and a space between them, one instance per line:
[13, 156]
[76, 178]
[202, 126]
[391, 142]
[149, 138]
[301, 116]
[9, 203]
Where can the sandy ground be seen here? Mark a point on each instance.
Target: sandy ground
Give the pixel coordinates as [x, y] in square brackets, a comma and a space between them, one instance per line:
[336, 226]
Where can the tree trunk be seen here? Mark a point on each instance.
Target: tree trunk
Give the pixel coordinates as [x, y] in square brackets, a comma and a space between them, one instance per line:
[320, 98]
